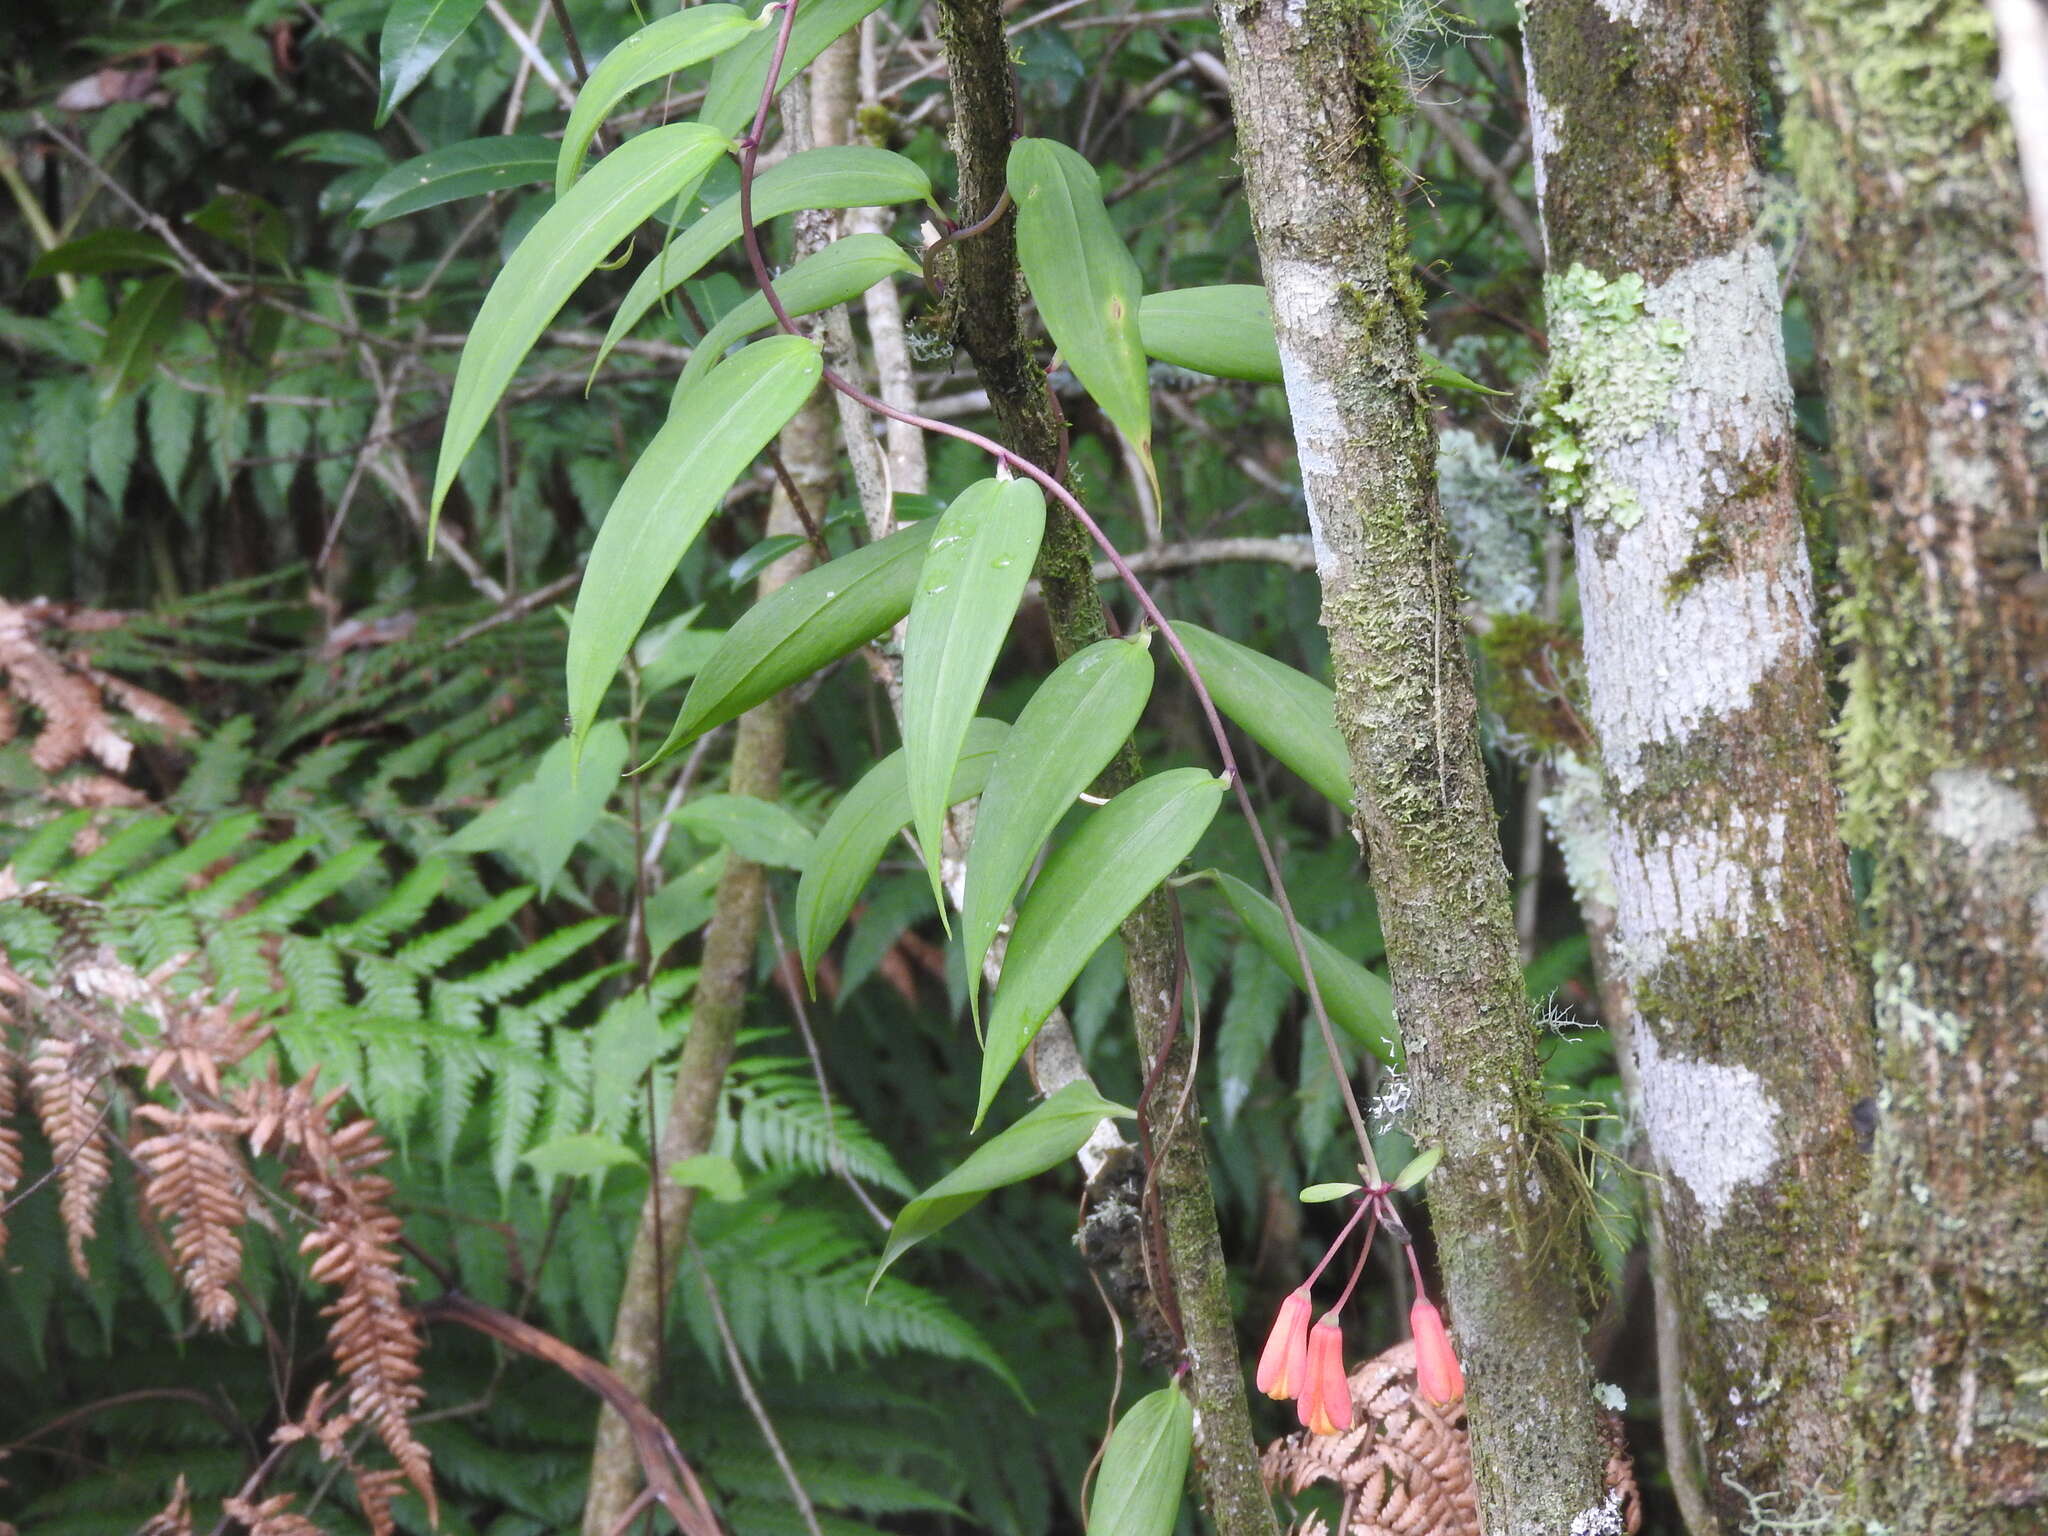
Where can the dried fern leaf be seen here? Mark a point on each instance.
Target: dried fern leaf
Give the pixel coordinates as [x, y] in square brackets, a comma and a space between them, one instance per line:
[75, 723]
[10, 1134]
[66, 1085]
[175, 1518]
[353, 1247]
[272, 1517]
[195, 1186]
[1405, 1466]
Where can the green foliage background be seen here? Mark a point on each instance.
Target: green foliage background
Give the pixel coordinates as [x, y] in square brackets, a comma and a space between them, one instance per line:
[242, 473]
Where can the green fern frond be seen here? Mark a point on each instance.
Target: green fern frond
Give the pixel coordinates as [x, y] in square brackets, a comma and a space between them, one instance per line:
[784, 1122]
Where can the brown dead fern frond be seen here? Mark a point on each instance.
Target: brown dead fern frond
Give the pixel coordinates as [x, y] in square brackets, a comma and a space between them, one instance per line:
[66, 1081]
[200, 1040]
[175, 1518]
[196, 1186]
[10, 1133]
[1405, 1466]
[374, 1492]
[354, 1247]
[272, 1517]
[75, 722]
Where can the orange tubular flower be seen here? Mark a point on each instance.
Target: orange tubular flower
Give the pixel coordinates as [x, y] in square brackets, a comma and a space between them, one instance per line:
[1285, 1356]
[1437, 1372]
[1325, 1406]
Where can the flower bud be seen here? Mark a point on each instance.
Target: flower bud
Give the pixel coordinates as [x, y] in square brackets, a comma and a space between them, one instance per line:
[1285, 1356]
[1437, 1373]
[1325, 1405]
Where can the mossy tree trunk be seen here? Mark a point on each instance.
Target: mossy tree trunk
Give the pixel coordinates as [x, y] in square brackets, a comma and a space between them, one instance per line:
[1934, 335]
[1311, 84]
[1666, 431]
[989, 325]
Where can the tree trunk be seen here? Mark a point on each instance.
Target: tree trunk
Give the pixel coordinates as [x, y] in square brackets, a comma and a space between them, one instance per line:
[989, 325]
[1311, 82]
[1934, 335]
[1666, 431]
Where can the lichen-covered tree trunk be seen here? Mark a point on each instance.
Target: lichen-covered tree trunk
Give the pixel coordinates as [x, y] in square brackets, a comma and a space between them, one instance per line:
[1311, 84]
[1934, 336]
[1666, 430]
[988, 323]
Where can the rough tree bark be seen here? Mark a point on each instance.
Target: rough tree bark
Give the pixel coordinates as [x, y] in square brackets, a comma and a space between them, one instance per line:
[988, 323]
[1666, 431]
[1934, 336]
[1311, 83]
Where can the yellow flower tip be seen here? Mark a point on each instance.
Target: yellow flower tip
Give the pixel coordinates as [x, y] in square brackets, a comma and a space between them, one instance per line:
[1325, 1405]
[1285, 1356]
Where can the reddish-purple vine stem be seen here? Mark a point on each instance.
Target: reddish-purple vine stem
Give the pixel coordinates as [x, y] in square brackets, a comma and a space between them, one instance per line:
[1016, 464]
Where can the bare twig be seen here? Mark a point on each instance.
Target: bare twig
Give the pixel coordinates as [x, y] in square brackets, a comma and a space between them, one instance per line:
[798, 1495]
[669, 1477]
[530, 51]
[792, 988]
[1513, 211]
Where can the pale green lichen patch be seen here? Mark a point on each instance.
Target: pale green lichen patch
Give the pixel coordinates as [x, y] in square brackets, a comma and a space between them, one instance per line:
[1749, 1308]
[1898, 1010]
[1613, 366]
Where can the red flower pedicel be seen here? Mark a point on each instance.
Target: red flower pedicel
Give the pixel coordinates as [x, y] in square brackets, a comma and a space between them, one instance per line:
[1284, 1361]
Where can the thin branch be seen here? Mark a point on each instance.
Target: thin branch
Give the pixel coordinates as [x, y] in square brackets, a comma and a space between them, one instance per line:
[530, 50]
[1513, 211]
[669, 1477]
[797, 1492]
[835, 1155]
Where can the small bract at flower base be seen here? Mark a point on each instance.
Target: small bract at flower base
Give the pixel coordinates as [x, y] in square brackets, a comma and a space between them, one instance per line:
[1284, 1361]
[1438, 1376]
[1325, 1405]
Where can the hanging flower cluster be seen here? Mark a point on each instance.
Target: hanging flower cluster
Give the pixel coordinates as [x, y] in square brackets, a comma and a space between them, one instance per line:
[1306, 1363]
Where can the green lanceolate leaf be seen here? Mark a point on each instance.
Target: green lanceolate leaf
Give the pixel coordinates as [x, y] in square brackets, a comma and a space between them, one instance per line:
[468, 169]
[660, 48]
[136, 335]
[1144, 1468]
[1317, 1194]
[416, 34]
[836, 177]
[1420, 1167]
[844, 270]
[851, 842]
[105, 250]
[1046, 1137]
[974, 575]
[1086, 284]
[546, 817]
[1359, 1002]
[1226, 330]
[808, 624]
[1065, 737]
[737, 77]
[762, 831]
[1441, 375]
[558, 253]
[1089, 886]
[676, 484]
[1289, 713]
